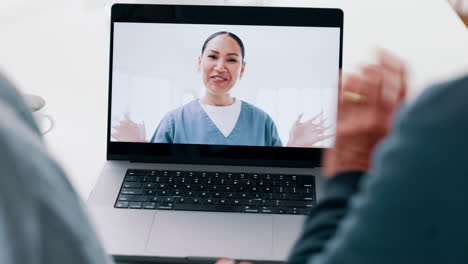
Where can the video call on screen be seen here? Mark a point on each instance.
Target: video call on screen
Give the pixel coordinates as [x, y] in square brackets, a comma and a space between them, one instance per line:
[237, 85]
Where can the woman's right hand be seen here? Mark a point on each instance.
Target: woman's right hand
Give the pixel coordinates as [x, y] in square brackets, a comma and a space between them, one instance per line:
[310, 132]
[129, 131]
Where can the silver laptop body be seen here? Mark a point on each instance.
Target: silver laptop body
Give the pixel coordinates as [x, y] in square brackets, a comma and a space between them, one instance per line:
[175, 236]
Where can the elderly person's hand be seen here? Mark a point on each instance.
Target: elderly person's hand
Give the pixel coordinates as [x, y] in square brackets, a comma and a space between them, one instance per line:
[367, 104]
[129, 131]
[310, 132]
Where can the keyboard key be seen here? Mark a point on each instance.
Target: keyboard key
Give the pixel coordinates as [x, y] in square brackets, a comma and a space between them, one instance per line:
[295, 204]
[176, 193]
[269, 203]
[135, 172]
[150, 192]
[121, 204]
[149, 185]
[225, 201]
[161, 180]
[281, 211]
[257, 196]
[244, 195]
[149, 205]
[181, 200]
[135, 205]
[192, 200]
[155, 199]
[250, 209]
[131, 178]
[168, 199]
[255, 202]
[280, 196]
[268, 210]
[218, 195]
[161, 192]
[179, 174]
[207, 201]
[132, 198]
[131, 191]
[152, 172]
[165, 206]
[132, 185]
[182, 181]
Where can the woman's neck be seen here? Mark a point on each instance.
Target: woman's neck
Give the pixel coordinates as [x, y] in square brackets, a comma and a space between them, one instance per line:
[224, 100]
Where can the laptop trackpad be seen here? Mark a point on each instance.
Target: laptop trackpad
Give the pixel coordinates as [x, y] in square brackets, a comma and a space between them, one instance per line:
[200, 234]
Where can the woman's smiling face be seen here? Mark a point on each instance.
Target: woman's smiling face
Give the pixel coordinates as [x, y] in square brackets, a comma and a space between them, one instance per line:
[221, 64]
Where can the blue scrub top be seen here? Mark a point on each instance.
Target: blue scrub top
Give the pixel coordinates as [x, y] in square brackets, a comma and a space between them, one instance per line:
[189, 124]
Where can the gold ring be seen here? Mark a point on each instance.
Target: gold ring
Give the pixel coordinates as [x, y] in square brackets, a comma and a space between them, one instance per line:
[354, 97]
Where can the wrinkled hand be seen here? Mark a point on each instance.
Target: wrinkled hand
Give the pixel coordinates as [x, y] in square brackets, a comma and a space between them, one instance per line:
[362, 125]
[308, 133]
[129, 131]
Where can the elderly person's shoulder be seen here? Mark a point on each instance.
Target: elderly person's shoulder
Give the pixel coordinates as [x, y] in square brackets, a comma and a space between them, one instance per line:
[443, 103]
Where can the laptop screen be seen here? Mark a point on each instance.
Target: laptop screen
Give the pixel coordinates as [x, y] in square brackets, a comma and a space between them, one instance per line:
[224, 84]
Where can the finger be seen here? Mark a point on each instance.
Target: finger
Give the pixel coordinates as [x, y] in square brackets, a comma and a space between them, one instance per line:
[372, 82]
[298, 120]
[127, 115]
[394, 79]
[116, 136]
[320, 123]
[314, 118]
[403, 82]
[352, 83]
[328, 127]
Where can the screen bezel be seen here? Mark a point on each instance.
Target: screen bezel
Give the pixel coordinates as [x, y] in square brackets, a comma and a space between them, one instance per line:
[224, 15]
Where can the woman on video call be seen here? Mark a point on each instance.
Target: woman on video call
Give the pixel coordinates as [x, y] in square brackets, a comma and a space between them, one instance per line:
[218, 118]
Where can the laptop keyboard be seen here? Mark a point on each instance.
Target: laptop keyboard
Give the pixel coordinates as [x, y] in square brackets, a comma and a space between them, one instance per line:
[217, 191]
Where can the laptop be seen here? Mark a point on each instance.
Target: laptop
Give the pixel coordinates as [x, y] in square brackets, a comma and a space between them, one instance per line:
[218, 116]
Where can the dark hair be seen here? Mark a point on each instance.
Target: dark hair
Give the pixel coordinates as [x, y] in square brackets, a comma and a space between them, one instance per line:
[232, 35]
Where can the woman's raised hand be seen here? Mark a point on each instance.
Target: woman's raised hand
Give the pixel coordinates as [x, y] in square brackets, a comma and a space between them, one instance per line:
[310, 132]
[129, 131]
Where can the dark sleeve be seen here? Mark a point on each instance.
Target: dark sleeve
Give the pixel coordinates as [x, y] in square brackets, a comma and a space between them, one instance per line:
[322, 223]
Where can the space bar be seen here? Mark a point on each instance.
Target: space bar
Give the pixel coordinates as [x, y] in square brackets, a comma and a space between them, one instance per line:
[207, 207]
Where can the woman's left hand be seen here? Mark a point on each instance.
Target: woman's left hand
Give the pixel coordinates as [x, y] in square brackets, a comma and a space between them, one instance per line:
[128, 130]
[308, 133]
